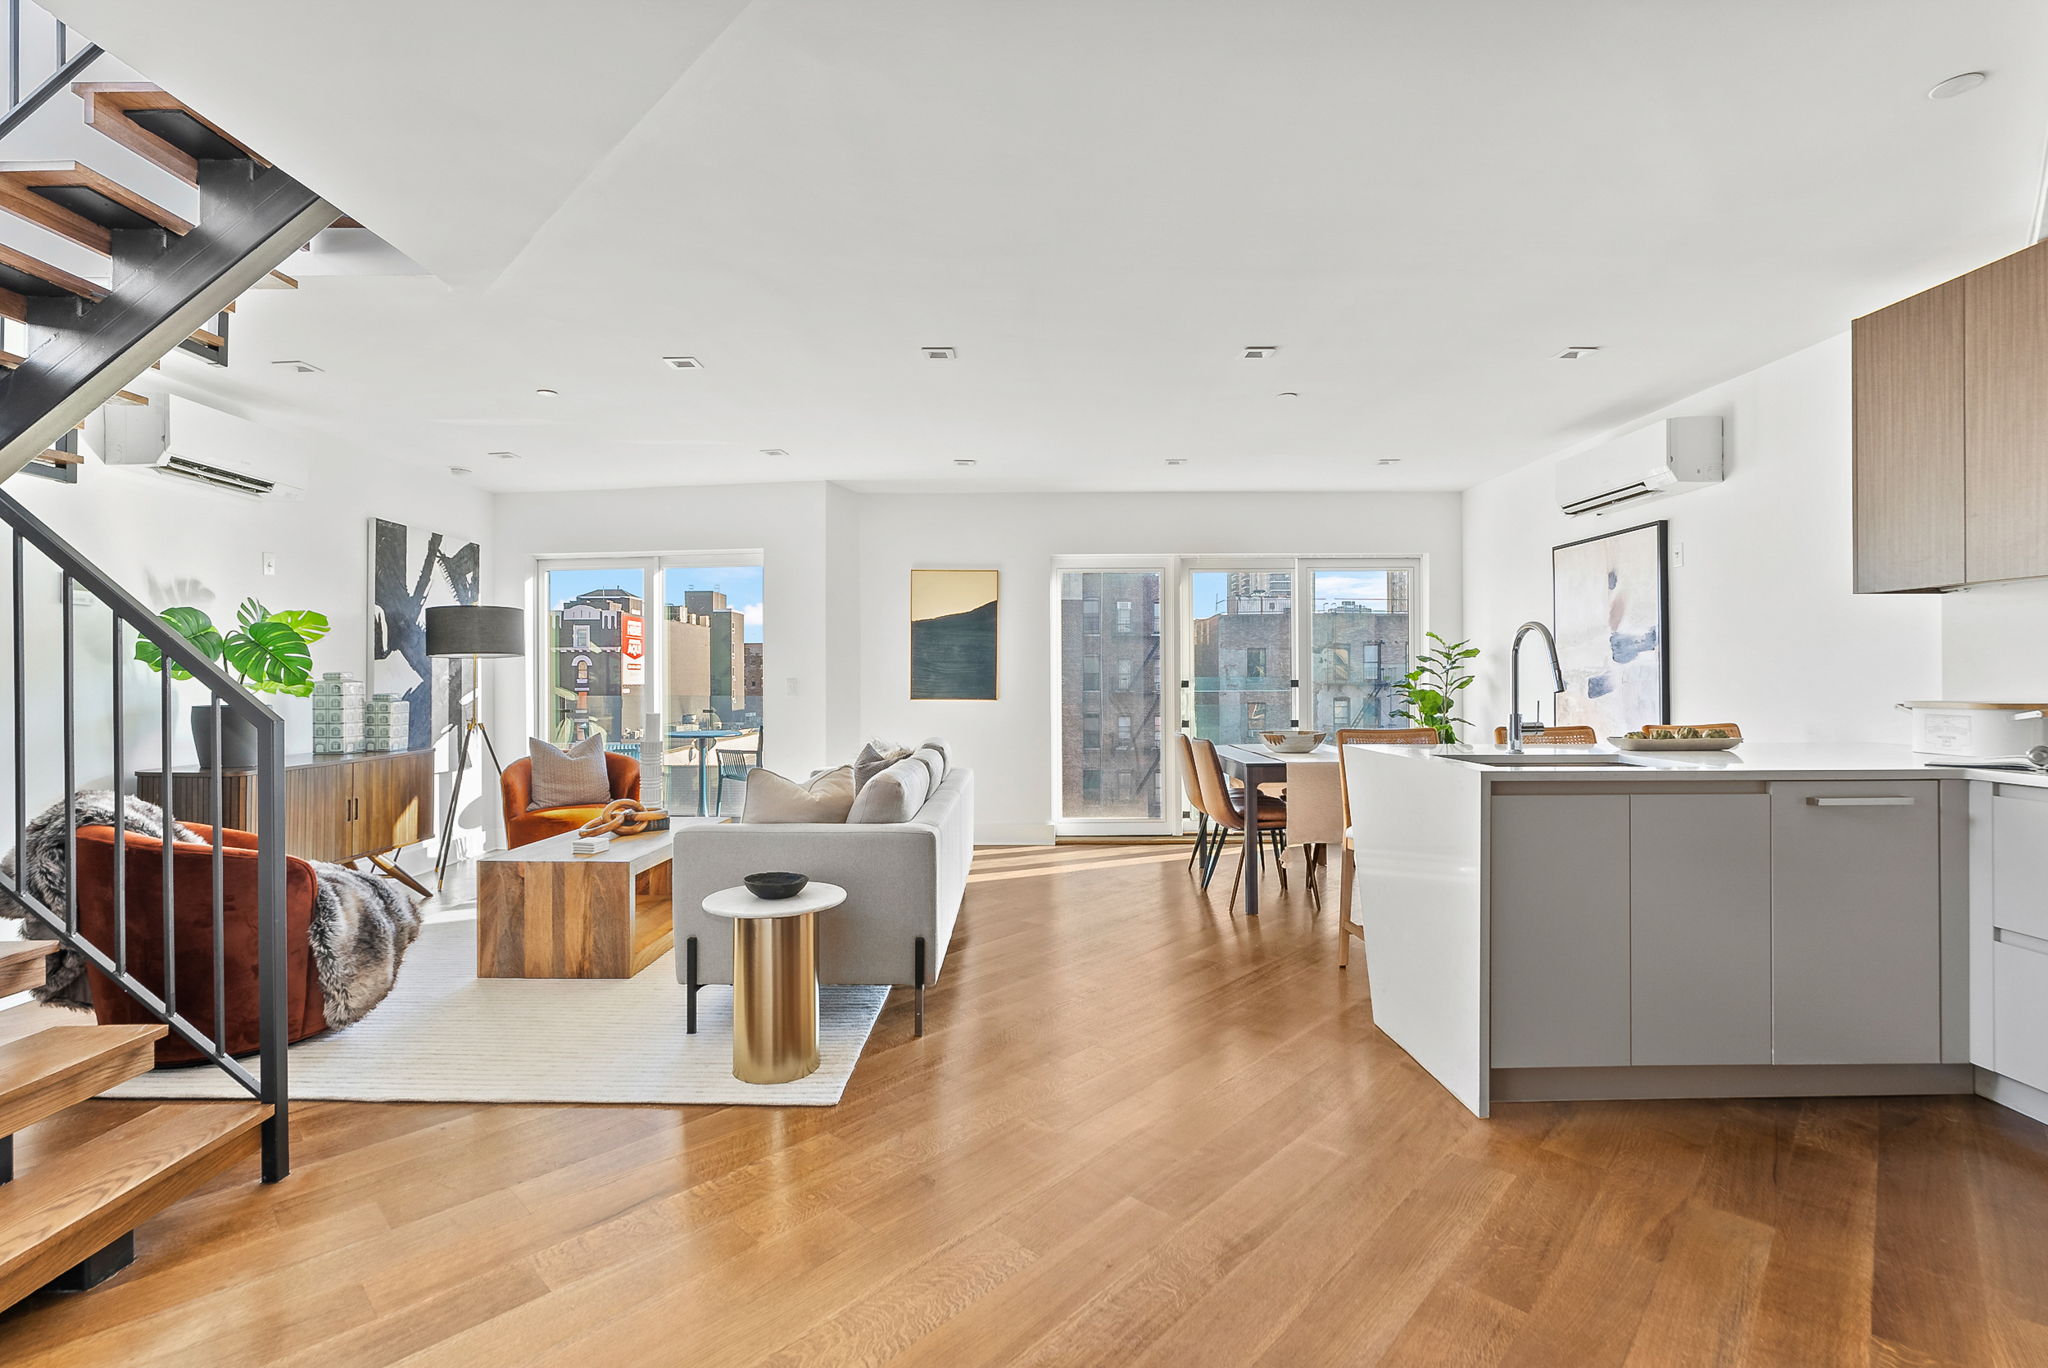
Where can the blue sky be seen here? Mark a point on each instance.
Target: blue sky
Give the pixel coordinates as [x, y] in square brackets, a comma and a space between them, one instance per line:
[741, 584]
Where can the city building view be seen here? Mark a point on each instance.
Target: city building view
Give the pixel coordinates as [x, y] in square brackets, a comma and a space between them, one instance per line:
[702, 731]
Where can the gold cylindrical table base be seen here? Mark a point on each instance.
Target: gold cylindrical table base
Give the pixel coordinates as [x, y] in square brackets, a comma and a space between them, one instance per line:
[774, 998]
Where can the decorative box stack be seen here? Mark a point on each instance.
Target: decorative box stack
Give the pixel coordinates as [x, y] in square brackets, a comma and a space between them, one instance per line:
[337, 714]
[387, 723]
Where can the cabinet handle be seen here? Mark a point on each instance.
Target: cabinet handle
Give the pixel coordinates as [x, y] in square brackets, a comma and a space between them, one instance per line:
[1862, 802]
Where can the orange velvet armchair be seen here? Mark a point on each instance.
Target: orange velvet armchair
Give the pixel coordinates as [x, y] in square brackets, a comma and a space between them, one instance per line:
[524, 828]
[192, 894]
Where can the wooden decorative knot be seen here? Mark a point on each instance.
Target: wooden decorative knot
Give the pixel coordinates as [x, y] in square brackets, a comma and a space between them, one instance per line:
[625, 817]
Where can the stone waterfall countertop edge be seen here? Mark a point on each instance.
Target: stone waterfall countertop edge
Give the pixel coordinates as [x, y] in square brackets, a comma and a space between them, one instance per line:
[1761, 760]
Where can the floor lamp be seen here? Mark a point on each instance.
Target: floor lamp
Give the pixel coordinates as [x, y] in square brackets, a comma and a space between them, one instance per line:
[482, 633]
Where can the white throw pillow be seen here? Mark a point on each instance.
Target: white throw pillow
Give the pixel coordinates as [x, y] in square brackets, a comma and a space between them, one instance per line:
[876, 756]
[575, 777]
[772, 798]
[894, 795]
[933, 761]
[937, 743]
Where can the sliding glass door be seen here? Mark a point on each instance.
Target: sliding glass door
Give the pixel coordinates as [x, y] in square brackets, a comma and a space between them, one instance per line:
[662, 657]
[1360, 642]
[1111, 695]
[1241, 643]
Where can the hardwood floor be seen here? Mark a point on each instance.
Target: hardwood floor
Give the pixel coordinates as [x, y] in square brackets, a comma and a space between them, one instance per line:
[1140, 1131]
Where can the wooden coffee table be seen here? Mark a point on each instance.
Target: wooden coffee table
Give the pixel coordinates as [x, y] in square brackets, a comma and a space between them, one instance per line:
[544, 913]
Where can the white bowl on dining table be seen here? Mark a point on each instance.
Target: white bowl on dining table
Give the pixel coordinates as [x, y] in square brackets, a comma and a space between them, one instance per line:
[1293, 741]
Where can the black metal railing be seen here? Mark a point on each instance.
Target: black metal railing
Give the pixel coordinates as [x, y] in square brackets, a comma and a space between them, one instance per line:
[43, 56]
[130, 622]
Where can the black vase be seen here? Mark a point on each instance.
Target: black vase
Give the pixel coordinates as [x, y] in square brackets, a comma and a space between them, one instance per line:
[237, 738]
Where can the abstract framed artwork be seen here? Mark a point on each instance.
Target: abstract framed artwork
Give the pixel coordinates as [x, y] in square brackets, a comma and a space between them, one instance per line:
[1611, 606]
[953, 630]
[412, 570]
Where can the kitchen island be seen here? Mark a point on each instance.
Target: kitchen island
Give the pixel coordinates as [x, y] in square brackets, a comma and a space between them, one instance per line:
[1779, 920]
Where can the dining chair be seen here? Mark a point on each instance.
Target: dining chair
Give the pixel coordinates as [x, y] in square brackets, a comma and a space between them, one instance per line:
[1552, 736]
[1347, 875]
[1192, 789]
[733, 766]
[1230, 809]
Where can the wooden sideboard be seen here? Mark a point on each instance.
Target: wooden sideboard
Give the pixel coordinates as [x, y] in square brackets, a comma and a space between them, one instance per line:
[336, 807]
[1951, 418]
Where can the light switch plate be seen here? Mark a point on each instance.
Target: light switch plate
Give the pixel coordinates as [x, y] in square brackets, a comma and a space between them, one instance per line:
[269, 562]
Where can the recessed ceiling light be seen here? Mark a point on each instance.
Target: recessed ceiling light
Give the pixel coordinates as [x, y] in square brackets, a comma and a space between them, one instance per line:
[1176, 460]
[940, 353]
[683, 362]
[964, 461]
[302, 367]
[504, 455]
[1390, 460]
[1259, 353]
[773, 451]
[1577, 353]
[547, 393]
[1957, 85]
[1288, 394]
[460, 470]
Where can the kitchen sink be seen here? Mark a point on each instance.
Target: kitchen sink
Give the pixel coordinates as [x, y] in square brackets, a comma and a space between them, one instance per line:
[1547, 759]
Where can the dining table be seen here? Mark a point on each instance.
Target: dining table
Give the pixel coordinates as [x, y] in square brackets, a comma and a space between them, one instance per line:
[705, 739]
[1314, 803]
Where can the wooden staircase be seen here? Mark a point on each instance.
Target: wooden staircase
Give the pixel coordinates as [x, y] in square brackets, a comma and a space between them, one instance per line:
[69, 1224]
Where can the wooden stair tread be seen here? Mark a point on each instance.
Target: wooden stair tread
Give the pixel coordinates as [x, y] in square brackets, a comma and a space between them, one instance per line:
[20, 180]
[110, 107]
[43, 1074]
[22, 964]
[277, 280]
[208, 339]
[73, 1204]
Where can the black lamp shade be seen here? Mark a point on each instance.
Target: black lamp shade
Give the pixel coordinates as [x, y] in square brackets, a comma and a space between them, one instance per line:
[476, 629]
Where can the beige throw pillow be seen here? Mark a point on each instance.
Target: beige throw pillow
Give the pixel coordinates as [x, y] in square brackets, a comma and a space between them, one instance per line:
[575, 777]
[894, 795]
[772, 798]
[876, 756]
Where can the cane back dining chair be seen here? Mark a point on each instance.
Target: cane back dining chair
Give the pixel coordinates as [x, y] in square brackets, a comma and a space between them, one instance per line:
[1552, 736]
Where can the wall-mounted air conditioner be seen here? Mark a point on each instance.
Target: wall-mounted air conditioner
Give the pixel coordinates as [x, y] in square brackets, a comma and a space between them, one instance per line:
[1667, 457]
[185, 438]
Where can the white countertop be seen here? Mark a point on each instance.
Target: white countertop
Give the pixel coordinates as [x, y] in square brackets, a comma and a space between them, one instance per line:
[1767, 760]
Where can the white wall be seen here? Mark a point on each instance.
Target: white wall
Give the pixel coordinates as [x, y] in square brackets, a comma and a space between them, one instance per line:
[1765, 630]
[1995, 643]
[170, 541]
[837, 596]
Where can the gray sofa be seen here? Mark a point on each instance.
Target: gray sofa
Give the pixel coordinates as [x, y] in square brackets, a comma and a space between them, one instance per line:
[903, 882]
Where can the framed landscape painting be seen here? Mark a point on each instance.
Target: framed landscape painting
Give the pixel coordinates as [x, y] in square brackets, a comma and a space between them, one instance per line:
[953, 618]
[1610, 603]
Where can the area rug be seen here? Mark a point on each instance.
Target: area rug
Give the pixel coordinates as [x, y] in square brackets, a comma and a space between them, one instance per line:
[444, 1035]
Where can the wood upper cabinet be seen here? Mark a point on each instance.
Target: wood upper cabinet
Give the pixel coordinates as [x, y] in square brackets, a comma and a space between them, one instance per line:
[1908, 406]
[1951, 423]
[2006, 374]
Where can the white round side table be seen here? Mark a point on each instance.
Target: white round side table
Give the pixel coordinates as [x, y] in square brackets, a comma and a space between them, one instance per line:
[774, 979]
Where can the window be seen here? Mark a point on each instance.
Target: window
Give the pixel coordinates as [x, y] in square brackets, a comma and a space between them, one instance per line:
[1132, 671]
[1091, 732]
[1340, 711]
[1091, 617]
[1124, 669]
[1254, 662]
[1337, 663]
[1091, 674]
[1126, 785]
[1123, 732]
[1091, 786]
[579, 636]
[1123, 616]
[1254, 717]
[1155, 617]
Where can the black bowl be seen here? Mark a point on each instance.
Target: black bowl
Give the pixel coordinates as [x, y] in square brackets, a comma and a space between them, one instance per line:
[779, 884]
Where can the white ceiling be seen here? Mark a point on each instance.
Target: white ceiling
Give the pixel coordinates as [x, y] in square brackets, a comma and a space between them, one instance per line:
[1099, 203]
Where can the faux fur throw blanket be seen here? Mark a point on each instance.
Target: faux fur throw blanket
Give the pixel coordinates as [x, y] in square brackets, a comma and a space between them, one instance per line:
[361, 925]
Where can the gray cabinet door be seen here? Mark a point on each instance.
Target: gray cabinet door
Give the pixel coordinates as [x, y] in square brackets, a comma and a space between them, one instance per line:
[1700, 928]
[1559, 909]
[2019, 862]
[1856, 923]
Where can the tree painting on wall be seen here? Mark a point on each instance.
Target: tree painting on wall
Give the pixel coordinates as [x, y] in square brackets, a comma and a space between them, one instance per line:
[953, 618]
[412, 570]
[1610, 605]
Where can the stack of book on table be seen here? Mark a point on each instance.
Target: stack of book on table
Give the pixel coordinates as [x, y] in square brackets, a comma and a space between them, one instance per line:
[590, 845]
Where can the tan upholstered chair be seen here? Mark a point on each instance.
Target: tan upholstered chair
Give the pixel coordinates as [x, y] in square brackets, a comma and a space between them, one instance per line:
[1227, 808]
[1191, 787]
[1362, 736]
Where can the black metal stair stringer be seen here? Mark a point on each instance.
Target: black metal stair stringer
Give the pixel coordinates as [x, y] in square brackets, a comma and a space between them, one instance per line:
[252, 219]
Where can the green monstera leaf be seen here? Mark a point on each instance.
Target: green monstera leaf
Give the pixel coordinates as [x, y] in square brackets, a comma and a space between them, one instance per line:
[271, 657]
[193, 625]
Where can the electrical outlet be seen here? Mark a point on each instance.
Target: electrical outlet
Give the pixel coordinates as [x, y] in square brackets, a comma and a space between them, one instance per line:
[269, 562]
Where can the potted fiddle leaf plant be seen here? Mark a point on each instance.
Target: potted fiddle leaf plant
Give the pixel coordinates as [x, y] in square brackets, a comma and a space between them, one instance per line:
[266, 652]
[1429, 693]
